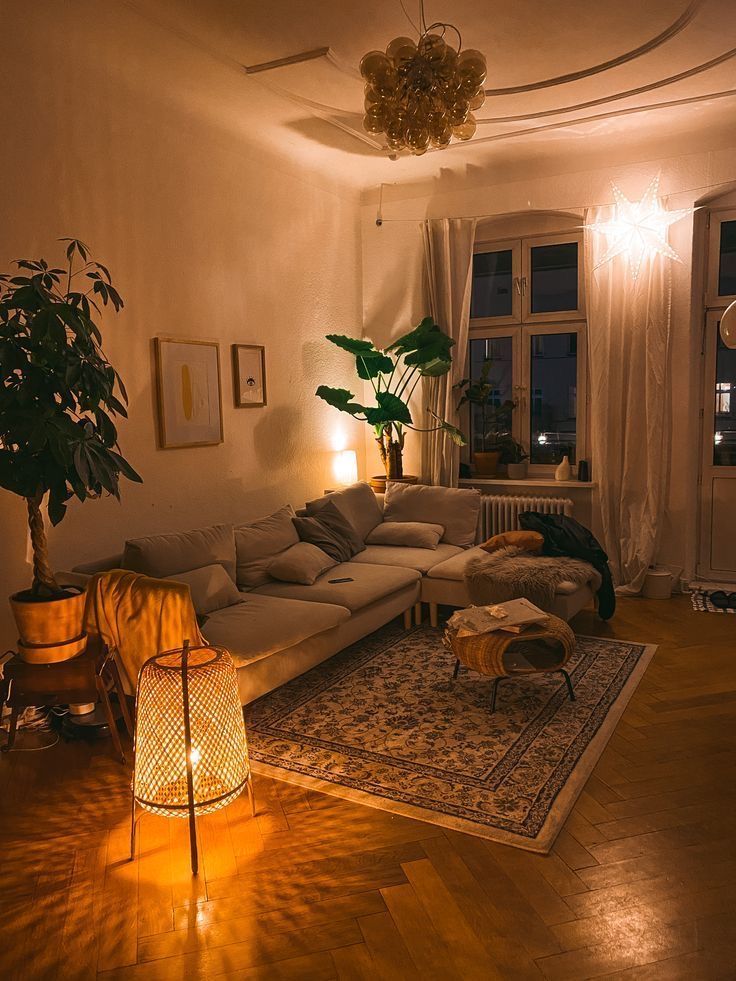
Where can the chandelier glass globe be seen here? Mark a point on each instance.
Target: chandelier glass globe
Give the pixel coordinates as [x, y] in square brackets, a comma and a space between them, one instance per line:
[422, 94]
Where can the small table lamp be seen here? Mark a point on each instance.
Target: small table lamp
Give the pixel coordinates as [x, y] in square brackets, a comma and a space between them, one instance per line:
[345, 467]
[191, 753]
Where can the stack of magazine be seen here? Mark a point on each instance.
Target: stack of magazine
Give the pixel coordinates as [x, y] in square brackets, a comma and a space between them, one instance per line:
[513, 617]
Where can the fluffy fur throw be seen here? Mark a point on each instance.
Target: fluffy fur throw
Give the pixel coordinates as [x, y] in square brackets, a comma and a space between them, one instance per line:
[511, 573]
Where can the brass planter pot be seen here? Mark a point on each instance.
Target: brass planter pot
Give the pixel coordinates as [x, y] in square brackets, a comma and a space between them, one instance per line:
[486, 463]
[379, 483]
[50, 630]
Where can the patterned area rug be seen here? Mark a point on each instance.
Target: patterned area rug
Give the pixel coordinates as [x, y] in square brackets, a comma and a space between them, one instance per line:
[384, 724]
[701, 601]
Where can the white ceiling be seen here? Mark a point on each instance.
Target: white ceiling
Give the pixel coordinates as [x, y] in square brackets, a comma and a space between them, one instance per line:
[313, 111]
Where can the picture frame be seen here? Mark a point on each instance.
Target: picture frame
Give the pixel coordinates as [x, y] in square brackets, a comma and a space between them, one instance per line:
[249, 376]
[189, 392]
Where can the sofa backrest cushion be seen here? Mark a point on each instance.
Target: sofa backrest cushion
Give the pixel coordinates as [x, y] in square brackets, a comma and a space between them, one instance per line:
[303, 563]
[357, 503]
[211, 589]
[414, 534]
[165, 555]
[455, 508]
[259, 542]
[330, 530]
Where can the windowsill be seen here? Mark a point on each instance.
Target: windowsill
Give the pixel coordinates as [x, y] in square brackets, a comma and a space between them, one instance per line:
[526, 482]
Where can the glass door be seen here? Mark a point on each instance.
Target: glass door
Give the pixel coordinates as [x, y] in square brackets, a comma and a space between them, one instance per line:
[718, 492]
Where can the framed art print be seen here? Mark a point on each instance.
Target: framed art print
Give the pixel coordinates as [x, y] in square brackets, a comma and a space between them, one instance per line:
[189, 394]
[249, 375]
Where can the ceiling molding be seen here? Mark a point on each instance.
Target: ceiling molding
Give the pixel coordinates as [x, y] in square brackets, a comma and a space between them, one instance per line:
[667, 34]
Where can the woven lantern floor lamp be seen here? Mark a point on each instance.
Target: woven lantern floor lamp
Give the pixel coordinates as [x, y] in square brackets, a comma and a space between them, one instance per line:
[190, 750]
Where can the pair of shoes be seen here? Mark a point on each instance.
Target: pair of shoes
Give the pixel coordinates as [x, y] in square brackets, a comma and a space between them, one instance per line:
[723, 600]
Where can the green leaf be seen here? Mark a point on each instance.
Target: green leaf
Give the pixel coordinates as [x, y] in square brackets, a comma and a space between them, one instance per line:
[354, 345]
[435, 368]
[373, 363]
[423, 345]
[453, 432]
[341, 399]
[398, 409]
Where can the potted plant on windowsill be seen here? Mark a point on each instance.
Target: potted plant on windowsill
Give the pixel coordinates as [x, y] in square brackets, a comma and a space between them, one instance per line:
[495, 419]
[57, 435]
[394, 373]
[515, 457]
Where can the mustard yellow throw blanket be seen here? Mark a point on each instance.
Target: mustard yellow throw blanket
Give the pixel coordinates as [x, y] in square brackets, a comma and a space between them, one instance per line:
[138, 616]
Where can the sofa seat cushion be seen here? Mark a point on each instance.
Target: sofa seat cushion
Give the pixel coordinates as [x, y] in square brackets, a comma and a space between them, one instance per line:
[421, 559]
[369, 583]
[454, 569]
[264, 625]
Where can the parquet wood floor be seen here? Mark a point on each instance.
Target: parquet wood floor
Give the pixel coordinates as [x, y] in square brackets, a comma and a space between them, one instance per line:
[641, 883]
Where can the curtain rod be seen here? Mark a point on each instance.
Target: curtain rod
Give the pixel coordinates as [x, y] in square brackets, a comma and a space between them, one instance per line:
[380, 219]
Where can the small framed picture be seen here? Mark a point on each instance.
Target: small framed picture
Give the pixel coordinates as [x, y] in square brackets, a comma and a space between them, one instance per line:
[189, 393]
[249, 375]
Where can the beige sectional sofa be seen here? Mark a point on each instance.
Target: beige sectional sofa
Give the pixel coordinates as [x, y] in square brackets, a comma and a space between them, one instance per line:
[278, 629]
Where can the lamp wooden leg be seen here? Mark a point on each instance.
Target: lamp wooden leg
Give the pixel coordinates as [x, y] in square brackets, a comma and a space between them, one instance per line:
[407, 619]
[456, 672]
[132, 828]
[118, 683]
[434, 615]
[251, 795]
[417, 613]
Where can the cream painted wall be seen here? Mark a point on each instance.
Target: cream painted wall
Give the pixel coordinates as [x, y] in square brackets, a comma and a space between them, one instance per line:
[206, 237]
[393, 293]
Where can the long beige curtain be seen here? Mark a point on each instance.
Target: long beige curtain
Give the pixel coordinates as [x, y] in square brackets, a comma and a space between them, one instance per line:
[448, 253]
[629, 344]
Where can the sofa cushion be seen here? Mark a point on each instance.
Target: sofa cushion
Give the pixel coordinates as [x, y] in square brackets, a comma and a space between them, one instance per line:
[367, 584]
[263, 625]
[182, 551]
[530, 541]
[211, 588]
[421, 559]
[331, 531]
[414, 534]
[301, 563]
[357, 503]
[455, 508]
[454, 567]
[259, 542]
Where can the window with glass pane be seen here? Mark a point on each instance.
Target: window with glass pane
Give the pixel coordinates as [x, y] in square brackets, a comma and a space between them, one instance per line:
[554, 272]
[492, 294]
[727, 260]
[484, 420]
[553, 408]
[724, 440]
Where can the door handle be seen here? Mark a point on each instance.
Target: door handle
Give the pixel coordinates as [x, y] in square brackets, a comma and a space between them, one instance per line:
[517, 284]
[523, 285]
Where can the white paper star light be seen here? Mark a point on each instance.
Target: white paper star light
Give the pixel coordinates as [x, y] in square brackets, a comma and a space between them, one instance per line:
[638, 228]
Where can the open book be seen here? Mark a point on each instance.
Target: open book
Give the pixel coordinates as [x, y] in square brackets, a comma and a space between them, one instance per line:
[512, 616]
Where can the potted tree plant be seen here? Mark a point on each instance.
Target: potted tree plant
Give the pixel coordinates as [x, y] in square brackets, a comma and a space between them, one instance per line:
[515, 457]
[495, 419]
[57, 435]
[394, 373]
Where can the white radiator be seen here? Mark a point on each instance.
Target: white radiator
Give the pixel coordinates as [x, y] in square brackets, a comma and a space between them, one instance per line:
[501, 513]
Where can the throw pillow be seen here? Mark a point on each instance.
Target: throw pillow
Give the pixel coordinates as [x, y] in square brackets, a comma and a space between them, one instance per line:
[454, 507]
[259, 542]
[303, 563]
[529, 541]
[415, 534]
[165, 555]
[357, 503]
[211, 589]
[330, 531]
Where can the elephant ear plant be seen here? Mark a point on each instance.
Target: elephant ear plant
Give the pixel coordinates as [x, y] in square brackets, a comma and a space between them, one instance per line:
[59, 396]
[394, 373]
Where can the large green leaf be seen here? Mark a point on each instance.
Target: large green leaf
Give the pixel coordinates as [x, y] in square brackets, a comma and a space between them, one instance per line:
[341, 399]
[455, 434]
[373, 363]
[390, 409]
[424, 345]
[435, 368]
[354, 345]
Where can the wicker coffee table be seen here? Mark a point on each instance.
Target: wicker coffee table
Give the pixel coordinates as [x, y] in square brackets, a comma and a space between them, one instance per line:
[540, 649]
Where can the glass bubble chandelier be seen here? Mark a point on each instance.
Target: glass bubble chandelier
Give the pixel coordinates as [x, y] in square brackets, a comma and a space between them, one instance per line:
[423, 93]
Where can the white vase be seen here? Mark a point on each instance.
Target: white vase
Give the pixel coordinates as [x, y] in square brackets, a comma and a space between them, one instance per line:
[563, 470]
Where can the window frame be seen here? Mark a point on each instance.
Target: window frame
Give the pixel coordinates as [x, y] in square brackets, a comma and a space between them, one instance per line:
[503, 245]
[716, 218]
[530, 243]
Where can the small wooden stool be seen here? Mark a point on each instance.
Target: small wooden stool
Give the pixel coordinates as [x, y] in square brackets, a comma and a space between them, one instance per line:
[83, 678]
[544, 648]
